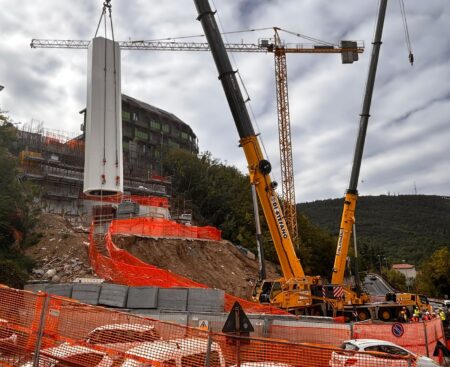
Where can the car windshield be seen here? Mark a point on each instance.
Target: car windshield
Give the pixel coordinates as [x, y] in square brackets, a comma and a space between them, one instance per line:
[349, 346]
[110, 336]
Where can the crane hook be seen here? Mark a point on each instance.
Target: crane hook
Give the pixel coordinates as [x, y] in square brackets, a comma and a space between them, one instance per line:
[411, 58]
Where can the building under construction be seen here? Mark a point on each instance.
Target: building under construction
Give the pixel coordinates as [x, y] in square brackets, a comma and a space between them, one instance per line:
[55, 160]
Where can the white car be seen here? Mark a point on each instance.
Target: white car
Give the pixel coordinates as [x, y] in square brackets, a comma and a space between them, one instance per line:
[174, 353]
[76, 355]
[263, 364]
[122, 336]
[350, 356]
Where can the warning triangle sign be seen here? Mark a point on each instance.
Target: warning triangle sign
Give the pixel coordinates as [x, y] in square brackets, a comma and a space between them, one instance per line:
[237, 321]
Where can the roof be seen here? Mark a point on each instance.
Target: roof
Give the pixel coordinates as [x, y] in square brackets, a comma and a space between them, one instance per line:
[403, 266]
[168, 349]
[135, 327]
[363, 343]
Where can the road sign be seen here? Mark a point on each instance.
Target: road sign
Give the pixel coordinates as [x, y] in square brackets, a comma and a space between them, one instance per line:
[397, 329]
[203, 325]
[237, 321]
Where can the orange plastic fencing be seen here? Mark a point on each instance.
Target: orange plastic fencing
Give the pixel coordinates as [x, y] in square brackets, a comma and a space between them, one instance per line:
[311, 332]
[121, 267]
[158, 227]
[418, 337]
[61, 331]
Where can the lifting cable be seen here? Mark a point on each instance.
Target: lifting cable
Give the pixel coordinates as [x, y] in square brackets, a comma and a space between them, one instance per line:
[107, 7]
[405, 29]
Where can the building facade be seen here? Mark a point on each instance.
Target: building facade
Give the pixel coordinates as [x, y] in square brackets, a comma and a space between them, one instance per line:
[55, 161]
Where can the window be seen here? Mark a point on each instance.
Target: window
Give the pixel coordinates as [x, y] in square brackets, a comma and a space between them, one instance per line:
[135, 116]
[125, 116]
[350, 346]
[155, 125]
[184, 135]
[165, 128]
[390, 349]
[140, 135]
[173, 144]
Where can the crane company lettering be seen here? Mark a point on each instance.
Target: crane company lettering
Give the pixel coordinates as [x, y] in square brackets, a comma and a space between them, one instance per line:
[279, 217]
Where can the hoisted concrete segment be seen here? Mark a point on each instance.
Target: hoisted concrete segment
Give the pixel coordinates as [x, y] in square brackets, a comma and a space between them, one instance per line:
[103, 165]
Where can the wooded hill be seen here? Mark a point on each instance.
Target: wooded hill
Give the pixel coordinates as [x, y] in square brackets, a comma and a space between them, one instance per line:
[404, 227]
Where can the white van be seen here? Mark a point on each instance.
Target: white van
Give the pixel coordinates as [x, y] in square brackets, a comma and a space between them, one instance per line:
[190, 352]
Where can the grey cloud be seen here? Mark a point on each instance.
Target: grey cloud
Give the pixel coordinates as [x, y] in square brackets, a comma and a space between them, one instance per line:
[408, 131]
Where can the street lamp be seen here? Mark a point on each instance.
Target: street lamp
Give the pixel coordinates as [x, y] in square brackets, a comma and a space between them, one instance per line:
[1, 87]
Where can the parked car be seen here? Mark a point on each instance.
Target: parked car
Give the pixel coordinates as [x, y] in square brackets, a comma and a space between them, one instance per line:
[350, 356]
[122, 336]
[189, 352]
[72, 355]
[263, 364]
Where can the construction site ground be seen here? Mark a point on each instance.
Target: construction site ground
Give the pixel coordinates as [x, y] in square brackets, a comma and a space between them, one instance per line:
[61, 255]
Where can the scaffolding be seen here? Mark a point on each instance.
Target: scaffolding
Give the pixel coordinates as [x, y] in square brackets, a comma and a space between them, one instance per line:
[54, 160]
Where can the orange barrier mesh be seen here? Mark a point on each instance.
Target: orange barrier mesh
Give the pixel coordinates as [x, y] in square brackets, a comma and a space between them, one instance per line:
[310, 332]
[60, 331]
[142, 200]
[418, 337]
[158, 227]
[121, 267]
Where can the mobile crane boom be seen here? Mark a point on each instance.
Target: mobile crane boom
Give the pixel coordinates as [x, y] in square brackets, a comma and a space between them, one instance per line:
[259, 167]
[351, 196]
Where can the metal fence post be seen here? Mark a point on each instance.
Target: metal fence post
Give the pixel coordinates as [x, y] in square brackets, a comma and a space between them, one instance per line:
[426, 338]
[40, 331]
[208, 351]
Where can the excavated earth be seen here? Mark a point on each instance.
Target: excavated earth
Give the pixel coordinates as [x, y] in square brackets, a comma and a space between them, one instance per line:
[218, 264]
[61, 255]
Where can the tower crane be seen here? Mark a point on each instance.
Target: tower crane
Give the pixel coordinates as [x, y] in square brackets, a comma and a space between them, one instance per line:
[348, 49]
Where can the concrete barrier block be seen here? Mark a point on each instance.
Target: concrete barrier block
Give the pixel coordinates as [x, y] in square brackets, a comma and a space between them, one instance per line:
[146, 312]
[63, 290]
[35, 287]
[173, 299]
[113, 295]
[206, 300]
[142, 297]
[86, 293]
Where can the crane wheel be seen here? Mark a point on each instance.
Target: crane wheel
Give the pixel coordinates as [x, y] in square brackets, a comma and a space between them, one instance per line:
[385, 314]
[363, 314]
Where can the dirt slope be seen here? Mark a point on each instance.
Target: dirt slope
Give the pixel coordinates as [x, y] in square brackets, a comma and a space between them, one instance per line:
[218, 264]
[61, 256]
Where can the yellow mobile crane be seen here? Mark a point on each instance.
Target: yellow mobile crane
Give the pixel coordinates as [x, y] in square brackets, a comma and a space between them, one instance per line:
[295, 291]
[355, 299]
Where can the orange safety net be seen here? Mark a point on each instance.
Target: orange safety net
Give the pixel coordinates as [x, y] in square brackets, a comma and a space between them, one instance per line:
[141, 200]
[157, 227]
[418, 337]
[54, 330]
[120, 267]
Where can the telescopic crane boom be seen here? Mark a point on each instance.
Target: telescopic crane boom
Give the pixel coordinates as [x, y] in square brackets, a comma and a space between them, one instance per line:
[348, 213]
[293, 291]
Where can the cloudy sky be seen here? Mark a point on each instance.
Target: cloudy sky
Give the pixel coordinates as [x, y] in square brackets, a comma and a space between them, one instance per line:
[408, 142]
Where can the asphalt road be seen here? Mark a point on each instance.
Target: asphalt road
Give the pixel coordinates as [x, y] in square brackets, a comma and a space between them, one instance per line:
[376, 285]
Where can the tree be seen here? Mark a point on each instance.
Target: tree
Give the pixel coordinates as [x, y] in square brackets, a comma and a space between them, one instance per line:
[17, 208]
[396, 279]
[433, 277]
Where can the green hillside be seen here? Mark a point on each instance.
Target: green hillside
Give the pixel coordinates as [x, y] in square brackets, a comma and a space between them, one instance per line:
[405, 227]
